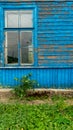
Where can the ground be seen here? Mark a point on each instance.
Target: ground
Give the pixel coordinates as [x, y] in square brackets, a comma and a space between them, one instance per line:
[7, 96]
[39, 110]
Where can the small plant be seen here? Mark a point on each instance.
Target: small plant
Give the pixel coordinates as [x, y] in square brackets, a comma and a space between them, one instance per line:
[25, 84]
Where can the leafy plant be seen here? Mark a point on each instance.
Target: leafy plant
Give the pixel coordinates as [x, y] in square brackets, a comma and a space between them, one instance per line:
[25, 84]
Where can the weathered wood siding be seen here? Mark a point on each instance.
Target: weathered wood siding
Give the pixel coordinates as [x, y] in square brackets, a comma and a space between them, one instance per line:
[55, 34]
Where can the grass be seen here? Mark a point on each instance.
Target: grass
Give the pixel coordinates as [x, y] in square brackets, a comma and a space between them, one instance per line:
[20, 116]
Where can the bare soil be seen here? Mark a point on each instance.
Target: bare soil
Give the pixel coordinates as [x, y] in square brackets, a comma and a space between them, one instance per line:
[7, 96]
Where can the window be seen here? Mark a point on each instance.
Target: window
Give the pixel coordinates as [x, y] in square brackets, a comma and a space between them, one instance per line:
[19, 37]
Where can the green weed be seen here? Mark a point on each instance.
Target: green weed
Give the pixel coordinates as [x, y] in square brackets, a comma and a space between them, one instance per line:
[36, 117]
[25, 84]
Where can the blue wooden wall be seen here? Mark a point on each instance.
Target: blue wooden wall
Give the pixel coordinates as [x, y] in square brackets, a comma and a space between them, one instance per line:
[47, 78]
[55, 34]
[54, 44]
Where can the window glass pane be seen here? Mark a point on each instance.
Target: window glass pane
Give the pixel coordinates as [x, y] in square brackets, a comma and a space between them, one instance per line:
[26, 19]
[11, 19]
[19, 19]
[25, 38]
[11, 47]
[12, 38]
[27, 55]
[26, 47]
[12, 55]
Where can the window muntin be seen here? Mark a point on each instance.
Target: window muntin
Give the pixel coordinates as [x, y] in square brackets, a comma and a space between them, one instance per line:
[19, 37]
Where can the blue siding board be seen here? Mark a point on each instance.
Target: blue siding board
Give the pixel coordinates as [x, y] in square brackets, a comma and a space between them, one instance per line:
[46, 77]
[56, 20]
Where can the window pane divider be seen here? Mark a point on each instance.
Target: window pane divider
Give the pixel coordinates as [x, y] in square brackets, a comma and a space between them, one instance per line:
[18, 29]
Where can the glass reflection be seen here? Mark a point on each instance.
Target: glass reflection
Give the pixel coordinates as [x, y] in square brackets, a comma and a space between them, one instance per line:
[26, 19]
[26, 47]
[11, 19]
[12, 55]
[27, 55]
[11, 47]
